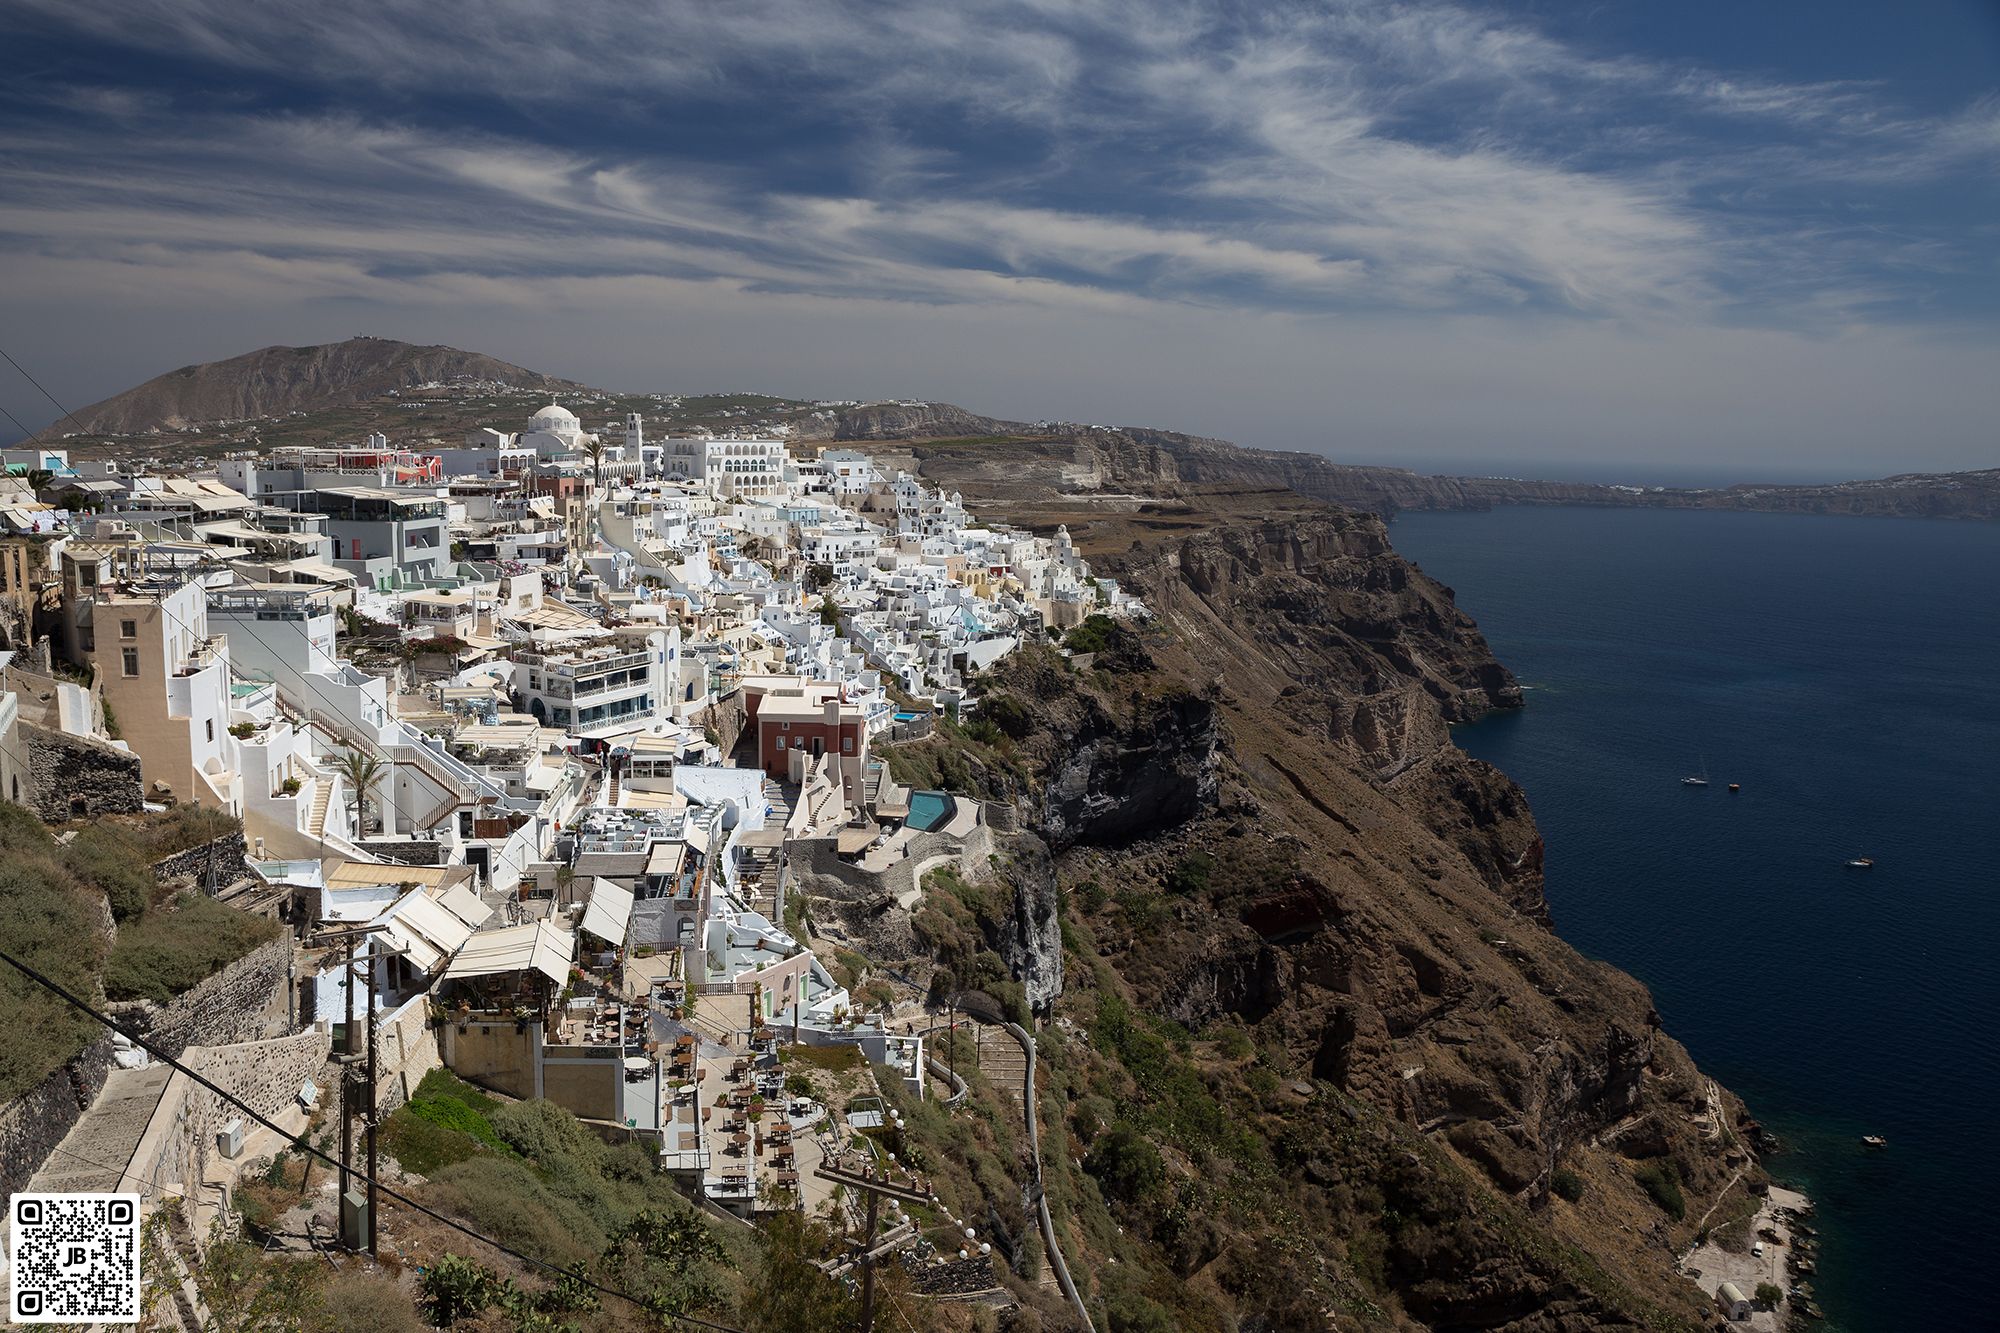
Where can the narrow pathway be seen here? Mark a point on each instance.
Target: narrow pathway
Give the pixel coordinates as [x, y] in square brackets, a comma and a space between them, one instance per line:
[93, 1156]
[1026, 1046]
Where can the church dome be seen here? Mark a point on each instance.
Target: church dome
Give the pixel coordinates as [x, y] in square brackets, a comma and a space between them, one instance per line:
[555, 418]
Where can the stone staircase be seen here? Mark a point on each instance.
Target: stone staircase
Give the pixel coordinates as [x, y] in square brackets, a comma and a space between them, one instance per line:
[94, 1155]
[322, 798]
[780, 802]
[1001, 1060]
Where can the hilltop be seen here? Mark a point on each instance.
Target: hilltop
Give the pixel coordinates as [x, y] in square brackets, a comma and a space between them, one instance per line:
[276, 381]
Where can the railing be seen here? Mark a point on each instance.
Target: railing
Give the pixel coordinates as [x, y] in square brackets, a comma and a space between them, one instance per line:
[202, 655]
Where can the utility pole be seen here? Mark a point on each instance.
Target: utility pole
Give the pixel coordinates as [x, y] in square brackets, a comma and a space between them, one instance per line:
[373, 961]
[869, 1250]
[346, 1084]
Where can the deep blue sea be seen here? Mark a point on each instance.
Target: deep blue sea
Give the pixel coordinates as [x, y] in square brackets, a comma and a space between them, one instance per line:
[1847, 673]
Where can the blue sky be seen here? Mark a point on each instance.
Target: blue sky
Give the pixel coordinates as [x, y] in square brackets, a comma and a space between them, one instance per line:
[1752, 233]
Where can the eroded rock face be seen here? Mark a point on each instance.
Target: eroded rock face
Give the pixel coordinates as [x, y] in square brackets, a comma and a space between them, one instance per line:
[1122, 780]
[1029, 941]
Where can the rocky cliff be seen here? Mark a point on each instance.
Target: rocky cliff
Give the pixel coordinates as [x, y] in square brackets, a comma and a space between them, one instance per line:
[1307, 966]
[273, 381]
[1162, 462]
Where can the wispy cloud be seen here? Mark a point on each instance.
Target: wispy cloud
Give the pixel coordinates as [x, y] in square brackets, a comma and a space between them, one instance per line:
[1138, 159]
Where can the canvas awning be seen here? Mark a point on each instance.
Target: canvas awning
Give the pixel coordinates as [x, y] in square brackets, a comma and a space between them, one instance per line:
[321, 570]
[536, 946]
[609, 911]
[427, 928]
[853, 840]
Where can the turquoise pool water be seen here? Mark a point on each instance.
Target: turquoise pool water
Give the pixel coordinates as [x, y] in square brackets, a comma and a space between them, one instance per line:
[929, 809]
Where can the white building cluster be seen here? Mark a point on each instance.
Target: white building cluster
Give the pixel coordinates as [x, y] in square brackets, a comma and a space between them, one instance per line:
[517, 663]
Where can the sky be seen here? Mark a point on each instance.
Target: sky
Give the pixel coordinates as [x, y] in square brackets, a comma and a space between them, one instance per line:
[1729, 234]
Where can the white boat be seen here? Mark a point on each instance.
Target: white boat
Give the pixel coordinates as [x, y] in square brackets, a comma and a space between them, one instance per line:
[1861, 862]
[1701, 781]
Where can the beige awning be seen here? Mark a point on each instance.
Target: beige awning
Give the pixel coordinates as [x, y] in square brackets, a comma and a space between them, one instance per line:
[852, 840]
[536, 946]
[423, 929]
[321, 570]
[609, 911]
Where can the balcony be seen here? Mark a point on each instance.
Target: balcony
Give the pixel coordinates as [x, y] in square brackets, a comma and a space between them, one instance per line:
[205, 653]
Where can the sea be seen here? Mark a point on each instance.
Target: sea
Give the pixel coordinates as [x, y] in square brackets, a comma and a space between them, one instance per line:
[1846, 672]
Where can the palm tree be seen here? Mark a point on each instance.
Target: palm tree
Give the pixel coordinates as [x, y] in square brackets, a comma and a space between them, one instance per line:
[360, 772]
[595, 448]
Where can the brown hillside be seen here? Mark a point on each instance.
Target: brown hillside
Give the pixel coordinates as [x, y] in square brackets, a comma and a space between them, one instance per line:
[273, 381]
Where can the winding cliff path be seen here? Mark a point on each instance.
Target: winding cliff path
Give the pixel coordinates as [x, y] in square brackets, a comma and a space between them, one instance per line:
[1049, 1242]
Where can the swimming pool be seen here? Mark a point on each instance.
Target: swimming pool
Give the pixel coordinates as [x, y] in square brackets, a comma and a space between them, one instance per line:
[929, 809]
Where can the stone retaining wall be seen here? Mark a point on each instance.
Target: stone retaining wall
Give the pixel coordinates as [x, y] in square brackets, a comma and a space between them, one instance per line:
[406, 1048]
[222, 861]
[725, 717]
[79, 777]
[174, 1152]
[33, 1124]
[416, 852]
[224, 1009]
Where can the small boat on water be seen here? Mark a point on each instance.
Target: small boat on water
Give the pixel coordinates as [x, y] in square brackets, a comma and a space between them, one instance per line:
[1736, 786]
[1702, 780]
[1874, 1141]
[1861, 863]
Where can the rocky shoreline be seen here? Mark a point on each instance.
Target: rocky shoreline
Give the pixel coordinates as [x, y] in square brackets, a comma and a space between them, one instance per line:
[1776, 1250]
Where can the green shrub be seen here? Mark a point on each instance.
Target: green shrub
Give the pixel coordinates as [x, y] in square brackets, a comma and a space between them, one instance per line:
[984, 731]
[545, 1132]
[423, 1146]
[51, 924]
[22, 830]
[1233, 1043]
[1192, 874]
[1769, 1295]
[187, 826]
[509, 1200]
[1661, 1183]
[1125, 1165]
[833, 1059]
[375, 1302]
[1567, 1184]
[456, 1287]
[1007, 713]
[107, 858]
[167, 951]
[447, 1121]
[1094, 635]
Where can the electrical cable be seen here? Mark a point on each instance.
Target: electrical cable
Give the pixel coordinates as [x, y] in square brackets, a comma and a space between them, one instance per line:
[64, 994]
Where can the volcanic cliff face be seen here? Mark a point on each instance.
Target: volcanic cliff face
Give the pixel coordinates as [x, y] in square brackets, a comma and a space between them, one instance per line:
[1261, 825]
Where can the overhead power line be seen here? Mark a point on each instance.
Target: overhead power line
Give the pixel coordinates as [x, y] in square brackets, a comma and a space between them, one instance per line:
[63, 993]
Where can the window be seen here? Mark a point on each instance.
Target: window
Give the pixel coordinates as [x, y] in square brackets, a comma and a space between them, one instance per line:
[211, 729]
[128, 629]
[847, 745]
[131, 661]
